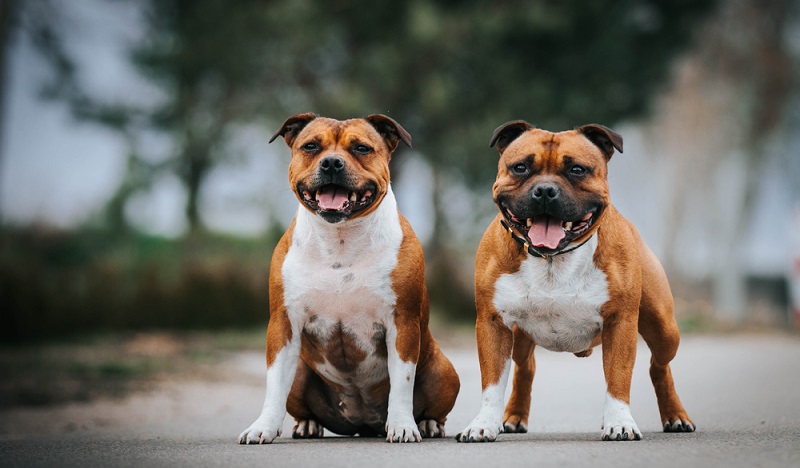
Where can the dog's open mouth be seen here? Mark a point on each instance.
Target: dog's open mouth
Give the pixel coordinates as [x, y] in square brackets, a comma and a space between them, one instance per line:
[547, 232]
[332, 198]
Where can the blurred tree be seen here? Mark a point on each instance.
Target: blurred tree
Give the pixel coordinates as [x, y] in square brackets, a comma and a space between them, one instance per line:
[732, 100]
[449, 71]
[218, 66]
[453, 71]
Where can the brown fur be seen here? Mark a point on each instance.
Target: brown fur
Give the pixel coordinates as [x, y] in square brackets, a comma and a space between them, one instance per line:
[313, 397]
[640, 300]
[279, 330]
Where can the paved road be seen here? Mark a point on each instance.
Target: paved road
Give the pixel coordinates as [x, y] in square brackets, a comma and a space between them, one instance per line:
[743, 392]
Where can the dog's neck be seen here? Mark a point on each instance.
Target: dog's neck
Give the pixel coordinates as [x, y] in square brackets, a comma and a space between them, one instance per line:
[379, 229]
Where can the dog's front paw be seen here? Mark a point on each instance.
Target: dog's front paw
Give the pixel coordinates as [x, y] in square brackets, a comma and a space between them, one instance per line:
[404, 430]
[618, 424]
[514, 424]
[431, 428]
[480, 430]
[307, 429]
[621, 431]
[680, 423]
[259, 432]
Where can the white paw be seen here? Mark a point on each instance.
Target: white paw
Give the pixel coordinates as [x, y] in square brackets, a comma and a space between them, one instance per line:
[618, 424]
[402, 431]
[480, 430]
[307, 429]
[259, 433]
[431, 428]
[621, 431]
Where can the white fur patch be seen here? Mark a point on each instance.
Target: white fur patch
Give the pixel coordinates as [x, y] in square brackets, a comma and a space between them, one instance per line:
[280, 376]
[400, 424]
[617, 421]
[338, 271]
[556, 301]
[488, 424]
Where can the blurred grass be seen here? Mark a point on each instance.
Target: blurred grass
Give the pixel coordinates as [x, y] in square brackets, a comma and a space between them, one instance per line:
[111, 365]
[57, 283]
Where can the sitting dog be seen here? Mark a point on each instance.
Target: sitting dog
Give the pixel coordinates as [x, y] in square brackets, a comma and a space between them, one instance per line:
[560, 268]
[348, 344]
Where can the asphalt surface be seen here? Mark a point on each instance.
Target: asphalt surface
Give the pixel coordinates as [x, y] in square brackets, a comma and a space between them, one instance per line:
[743, 392]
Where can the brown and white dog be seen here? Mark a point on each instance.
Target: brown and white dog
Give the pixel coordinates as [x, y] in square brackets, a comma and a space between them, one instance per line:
[560, 268]
[348, 344]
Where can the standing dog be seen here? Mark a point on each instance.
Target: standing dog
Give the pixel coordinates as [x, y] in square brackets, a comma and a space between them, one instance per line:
[348, 344]
[560, 268]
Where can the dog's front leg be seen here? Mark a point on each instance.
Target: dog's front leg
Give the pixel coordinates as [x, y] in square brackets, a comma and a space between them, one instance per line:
[402, 345]
[495, 341]
[283, 353]
[619, 354]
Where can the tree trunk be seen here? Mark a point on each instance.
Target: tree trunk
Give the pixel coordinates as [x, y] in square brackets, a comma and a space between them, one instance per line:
[729, 279]
[448, 294]
[197, 162]
[6, 10]
[437, 245]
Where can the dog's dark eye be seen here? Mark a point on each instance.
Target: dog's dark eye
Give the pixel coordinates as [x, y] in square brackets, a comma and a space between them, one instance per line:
[577, 170]
[362, 149]
[311, 146]
[519, 169]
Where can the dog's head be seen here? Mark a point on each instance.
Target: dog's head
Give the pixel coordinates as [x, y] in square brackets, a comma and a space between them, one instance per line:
[340, 169]
[552, 187]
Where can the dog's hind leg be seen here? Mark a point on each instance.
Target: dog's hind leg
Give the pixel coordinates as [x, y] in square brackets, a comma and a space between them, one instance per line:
[435, 392]
[660, 331]
[306, 424]
[515, 418]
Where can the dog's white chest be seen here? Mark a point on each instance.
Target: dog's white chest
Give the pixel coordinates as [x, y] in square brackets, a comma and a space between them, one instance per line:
[557, 303]
[338, 290]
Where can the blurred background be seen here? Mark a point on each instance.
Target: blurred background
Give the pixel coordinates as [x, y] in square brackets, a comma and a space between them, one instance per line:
[138, 191]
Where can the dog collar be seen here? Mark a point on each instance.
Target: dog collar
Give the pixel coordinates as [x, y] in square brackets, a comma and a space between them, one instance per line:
[529, 248]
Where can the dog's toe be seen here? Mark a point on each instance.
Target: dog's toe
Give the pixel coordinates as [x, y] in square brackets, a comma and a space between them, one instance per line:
[430, 428]
[514, 424]
[679, 425]
[307, 429]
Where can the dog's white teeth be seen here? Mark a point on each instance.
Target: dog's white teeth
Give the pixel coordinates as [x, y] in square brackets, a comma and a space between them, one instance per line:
[353, 197]
[568, 226]
[530, 222]
[316, 196]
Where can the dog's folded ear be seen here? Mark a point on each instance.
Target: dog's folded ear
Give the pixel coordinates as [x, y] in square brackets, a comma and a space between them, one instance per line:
[392, 132]
[603, 137]
[292, 127]
[508, 132]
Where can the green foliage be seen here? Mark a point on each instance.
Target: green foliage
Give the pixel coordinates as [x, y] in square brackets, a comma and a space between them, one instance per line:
[453, 71]
[449, 71]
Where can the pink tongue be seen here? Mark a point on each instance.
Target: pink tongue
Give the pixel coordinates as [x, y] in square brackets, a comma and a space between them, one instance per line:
[546, 232]
[332, 197]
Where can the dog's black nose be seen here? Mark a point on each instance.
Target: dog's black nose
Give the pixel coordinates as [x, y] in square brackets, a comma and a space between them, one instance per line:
[546, 192]
[332, 165]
